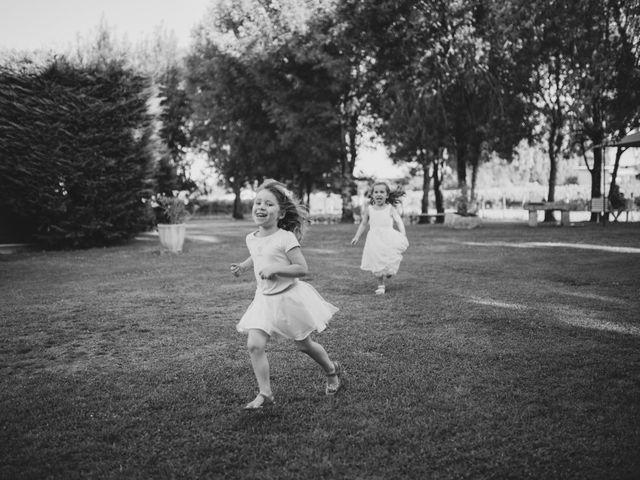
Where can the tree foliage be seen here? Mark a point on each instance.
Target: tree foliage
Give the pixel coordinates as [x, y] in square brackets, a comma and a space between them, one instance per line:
[176, 111]
[287, 89]
[441, 75]
[262, 104]
[158, 59]
[605, 51]
[229, 120]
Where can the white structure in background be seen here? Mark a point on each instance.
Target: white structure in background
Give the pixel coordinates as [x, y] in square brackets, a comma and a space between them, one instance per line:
[628, 176]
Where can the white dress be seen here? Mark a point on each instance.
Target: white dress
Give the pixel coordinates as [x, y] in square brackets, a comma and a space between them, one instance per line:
[283, 307]
[384, 246]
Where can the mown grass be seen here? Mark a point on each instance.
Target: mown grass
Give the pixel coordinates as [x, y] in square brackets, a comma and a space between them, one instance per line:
[484, 360]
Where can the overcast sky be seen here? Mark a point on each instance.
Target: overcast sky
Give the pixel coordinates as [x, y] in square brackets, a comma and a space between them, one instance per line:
[55, 24]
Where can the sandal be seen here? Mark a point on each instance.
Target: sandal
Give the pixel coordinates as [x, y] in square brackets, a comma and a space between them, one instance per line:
[260, 401]
[337, 372]
[380, 290]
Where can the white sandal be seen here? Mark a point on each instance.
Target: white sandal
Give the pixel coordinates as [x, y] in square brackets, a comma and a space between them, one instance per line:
[332, 389]
[380, 290]
[260, 401]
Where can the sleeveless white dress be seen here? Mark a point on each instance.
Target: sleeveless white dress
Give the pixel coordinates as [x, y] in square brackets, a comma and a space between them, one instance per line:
[384, 246]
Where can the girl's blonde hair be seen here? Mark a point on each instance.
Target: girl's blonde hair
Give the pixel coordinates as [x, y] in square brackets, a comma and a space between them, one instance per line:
[296, 217]
[393, 197]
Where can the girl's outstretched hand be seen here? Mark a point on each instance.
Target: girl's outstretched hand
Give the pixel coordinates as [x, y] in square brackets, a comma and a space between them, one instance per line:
[236, 269]
[354, 240]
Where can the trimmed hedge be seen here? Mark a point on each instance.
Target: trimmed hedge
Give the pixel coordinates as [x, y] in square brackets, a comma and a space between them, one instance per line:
[75, 156]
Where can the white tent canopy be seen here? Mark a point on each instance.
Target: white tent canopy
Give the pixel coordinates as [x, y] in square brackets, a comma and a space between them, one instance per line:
[631, 140]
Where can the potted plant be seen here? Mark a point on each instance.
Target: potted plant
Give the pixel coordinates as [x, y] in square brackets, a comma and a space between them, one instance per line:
[171, 215]
[466, 212]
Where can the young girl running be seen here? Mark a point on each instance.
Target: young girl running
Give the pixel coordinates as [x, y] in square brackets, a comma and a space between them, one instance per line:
[283, 306]
[384, 246]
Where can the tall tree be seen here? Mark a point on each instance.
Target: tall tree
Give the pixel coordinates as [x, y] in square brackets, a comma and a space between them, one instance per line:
[485, 99]
[603, 51]
[244, 82]
[158, 58]
[542, 25]
[456, 59]
[395, 41]
[625, 106]
[228, 121]
[175, 114]
[347, 64]
[301, 102]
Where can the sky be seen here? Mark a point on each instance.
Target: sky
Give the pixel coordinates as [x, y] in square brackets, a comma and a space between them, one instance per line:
[55, 24]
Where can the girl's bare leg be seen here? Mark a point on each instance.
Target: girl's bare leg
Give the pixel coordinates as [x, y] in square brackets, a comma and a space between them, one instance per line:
[319, 355]
[256, 343]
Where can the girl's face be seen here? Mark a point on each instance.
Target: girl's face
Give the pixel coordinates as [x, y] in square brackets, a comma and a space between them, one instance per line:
[266, 210]
[379, 194]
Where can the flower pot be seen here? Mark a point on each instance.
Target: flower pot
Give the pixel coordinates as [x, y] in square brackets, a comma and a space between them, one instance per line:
[461, 221]
[172, 236]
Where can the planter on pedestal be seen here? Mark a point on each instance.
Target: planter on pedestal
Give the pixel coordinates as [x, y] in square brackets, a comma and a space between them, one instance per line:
[172, 236]
[462, 221]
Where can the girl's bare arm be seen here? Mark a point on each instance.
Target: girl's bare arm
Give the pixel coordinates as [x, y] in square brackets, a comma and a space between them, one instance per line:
[238, 268]
[297, 268]
[398, 220]
[363, 224]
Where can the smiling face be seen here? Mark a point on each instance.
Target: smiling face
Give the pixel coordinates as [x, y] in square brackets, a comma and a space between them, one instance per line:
[379, 194]
[266, 210]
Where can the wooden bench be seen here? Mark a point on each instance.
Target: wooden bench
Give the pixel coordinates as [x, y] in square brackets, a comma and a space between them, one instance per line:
[535, 207]
[425, 217]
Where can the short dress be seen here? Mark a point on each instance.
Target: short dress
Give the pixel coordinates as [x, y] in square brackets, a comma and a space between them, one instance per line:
[282, 307]
[384, 246]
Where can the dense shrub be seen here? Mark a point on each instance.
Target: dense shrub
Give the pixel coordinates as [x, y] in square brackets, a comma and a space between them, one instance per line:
[75, 162]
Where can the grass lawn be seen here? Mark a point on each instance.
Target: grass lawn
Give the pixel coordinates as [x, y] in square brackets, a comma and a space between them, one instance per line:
[499, 352]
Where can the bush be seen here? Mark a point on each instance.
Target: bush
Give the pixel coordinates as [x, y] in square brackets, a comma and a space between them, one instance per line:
[75, 161]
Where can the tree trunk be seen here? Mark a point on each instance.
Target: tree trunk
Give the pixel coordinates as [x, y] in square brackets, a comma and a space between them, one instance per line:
[349, 155]
[554, 142]
[474, 178]
[237, 203]
[553, 168]
[597, 137]
[305, 187]
[437, 181]
[475, 157]
[426, 180]
[596, 178]
[614, 174]
[347, 202]
[461, 162]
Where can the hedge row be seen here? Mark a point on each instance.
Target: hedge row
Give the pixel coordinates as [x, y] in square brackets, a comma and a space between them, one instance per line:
[75, 161]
